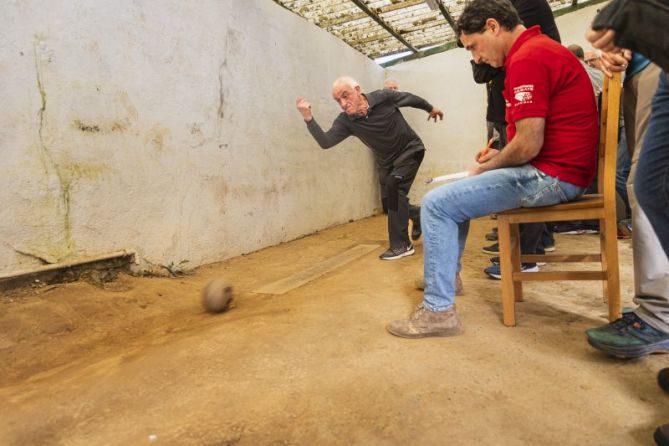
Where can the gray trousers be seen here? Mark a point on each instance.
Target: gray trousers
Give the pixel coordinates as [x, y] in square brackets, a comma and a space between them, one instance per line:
[651, 267]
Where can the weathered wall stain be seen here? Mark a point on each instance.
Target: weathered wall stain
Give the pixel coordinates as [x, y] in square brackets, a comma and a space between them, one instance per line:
[60, 244]
[90, 127]
[156, 137]
[221, 91]
[128, 105]
[40, 54]
[224, 73]
[86, 128]
[195, 129]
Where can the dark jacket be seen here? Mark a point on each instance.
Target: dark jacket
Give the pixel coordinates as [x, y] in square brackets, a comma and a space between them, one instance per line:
[640, 25]
[533, 12]
[494, 80]
[384, 130]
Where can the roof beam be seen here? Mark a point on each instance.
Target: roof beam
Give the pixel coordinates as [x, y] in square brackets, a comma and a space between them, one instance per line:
[446, 14]
[383, 24]
[382, 10]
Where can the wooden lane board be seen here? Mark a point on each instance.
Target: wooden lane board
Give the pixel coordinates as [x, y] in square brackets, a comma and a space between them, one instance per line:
[300, 278]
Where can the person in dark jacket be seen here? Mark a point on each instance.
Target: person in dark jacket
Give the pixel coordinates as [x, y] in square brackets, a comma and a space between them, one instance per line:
[640, 26]
[376, 120]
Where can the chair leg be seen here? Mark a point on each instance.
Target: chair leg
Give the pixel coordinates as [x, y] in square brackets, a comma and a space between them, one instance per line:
[506, 268]
[609, 245]
[603, 249]
[515, 260]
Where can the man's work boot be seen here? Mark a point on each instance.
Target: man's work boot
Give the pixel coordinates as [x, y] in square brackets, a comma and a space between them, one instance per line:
[424, 323]
[459, 287]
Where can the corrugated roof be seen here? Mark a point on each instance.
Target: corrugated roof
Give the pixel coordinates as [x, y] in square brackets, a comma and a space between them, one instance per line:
[379, 28]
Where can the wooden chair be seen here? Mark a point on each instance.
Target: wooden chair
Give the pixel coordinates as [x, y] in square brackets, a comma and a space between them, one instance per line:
[601, 206]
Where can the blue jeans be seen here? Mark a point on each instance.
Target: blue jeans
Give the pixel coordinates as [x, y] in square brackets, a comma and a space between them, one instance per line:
[652, 176]
[446, 211]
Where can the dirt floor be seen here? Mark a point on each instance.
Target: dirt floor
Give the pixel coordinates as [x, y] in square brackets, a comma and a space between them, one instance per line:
[139, 362]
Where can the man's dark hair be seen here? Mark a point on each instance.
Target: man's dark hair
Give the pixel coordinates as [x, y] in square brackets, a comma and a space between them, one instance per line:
[577, 51]
[472, 20]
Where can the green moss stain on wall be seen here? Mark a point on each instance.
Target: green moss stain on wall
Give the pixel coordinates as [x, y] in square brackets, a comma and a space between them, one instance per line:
[66, 172]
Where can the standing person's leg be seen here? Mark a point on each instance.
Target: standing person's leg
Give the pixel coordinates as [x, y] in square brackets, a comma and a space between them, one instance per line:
[383, 176]
[651, 268]
[652, 174]
[490, 130]
[414, 216]
[501, 130]
[398, 183]
[652, 177]
[646, 329]
[530, 238]
[547, 239]
[531, 235]
[405, 186]
[445, 213]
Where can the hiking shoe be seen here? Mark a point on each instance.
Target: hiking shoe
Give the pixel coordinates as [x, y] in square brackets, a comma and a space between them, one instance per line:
[492, 235]
[492, 249]
[628, 337]
[495, 261]
[416, 230]
[424, 323]
[661, 435]
[549, 248]
[459, 287]
[397, 253]
[663, 379]
[496, 272]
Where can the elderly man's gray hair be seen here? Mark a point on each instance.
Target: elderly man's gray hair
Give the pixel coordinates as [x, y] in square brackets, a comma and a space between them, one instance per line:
[345, 80]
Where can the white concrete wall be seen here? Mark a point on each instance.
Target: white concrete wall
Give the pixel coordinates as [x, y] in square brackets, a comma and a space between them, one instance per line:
[446, 81]
[169, 127]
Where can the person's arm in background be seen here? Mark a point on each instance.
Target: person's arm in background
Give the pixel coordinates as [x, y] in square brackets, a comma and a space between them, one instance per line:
[484, 73]
[639, 25]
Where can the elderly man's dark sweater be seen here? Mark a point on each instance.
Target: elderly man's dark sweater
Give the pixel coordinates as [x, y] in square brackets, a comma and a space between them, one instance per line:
[384, 129]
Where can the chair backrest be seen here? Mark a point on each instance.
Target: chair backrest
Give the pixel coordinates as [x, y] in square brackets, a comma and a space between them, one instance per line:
[608, 136]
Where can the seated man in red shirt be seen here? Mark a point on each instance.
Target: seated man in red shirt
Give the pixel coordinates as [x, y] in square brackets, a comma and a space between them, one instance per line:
[550, 157]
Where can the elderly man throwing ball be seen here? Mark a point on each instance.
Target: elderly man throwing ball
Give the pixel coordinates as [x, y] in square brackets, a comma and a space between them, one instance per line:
[375, 118]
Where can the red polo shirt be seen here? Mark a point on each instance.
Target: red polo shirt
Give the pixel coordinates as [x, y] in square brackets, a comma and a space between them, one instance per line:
[545, 80]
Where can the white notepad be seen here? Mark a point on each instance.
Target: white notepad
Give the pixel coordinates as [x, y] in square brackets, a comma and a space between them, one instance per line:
[449, 177]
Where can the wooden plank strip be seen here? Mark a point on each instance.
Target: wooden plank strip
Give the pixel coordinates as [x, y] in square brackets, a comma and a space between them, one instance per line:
[558, 215]
[561, 275]
[300, 278]
[554, 258]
